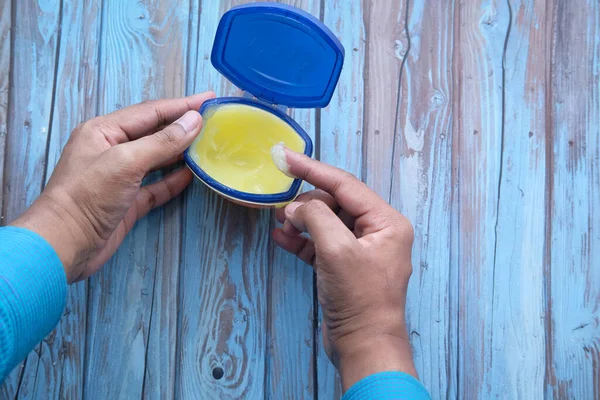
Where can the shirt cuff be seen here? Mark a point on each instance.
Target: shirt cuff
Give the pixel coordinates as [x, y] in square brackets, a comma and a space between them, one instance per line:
[33, 293]
[387, 385]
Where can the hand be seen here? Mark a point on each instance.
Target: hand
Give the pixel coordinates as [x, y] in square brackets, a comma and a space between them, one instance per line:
[360, 248]
[94, 196]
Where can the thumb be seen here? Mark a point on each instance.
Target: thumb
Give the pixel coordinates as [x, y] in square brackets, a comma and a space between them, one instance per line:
[155, 150]
[317, 218]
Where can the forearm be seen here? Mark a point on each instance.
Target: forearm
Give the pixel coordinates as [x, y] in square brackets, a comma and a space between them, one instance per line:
[33, 290]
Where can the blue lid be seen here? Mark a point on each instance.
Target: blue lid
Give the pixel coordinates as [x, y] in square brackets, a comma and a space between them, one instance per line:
[278, 53]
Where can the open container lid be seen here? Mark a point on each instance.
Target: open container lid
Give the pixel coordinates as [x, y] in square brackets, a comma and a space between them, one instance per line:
[279, 54]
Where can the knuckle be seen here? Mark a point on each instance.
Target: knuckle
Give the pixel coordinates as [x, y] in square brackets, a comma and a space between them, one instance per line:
[407, 227]
[150, 199]
[147, 103]
[170, 188]
[349, 176]
[87, 126]
[81, 127]
[314, 206]
[94, 126]
[403, 228]
[168, 137]
[307, 173]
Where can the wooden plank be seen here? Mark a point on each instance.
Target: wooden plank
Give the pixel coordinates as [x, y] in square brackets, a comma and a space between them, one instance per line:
[5, 62]
[573, 242]
[422, 188]
[386, 47]
[8, 388]
[36, 31]
[517, 320]
[290, 335]
[56, 368]
[222, 320]
[341, 135]
[132, 301]
[481, 28]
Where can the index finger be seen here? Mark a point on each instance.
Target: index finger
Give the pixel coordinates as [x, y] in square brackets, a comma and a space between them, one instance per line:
[352, 195]
[146, 118]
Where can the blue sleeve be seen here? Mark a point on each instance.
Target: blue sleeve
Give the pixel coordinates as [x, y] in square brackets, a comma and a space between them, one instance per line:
[33, 293]
[387, 386]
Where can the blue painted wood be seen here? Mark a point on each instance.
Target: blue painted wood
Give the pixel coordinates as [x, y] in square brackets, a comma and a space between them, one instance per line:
[29, 114]
[5, 61]
[132, 302]
[56, 368]
[573, 241]
[291, 320]
[341, 135]
[223, 285]
[517, 319]
[478, 72]
[494, 162]
[386, 48]
[421, 178]
[10, 386]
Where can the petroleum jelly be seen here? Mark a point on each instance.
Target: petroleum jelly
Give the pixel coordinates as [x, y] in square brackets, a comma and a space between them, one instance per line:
[239, 146]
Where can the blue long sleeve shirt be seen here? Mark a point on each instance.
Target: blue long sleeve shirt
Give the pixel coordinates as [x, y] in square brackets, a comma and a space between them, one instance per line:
[33, 293]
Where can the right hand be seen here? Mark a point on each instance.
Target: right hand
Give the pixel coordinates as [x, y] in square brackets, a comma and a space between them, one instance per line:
[360, 248]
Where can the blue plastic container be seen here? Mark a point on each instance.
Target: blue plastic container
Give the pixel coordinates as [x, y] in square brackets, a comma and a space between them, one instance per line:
[281, 57]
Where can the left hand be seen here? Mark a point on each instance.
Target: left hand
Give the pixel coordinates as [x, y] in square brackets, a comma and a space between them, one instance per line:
[94, 196]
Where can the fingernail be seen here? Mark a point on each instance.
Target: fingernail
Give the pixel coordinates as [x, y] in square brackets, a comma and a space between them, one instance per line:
[279, 158]
[189, 121]
[291, 208]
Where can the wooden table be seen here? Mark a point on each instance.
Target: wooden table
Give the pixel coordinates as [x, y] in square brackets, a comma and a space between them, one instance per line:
[477, 119]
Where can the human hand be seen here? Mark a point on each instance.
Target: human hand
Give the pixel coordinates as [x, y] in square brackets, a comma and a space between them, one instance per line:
[94, 196]
[360, 248]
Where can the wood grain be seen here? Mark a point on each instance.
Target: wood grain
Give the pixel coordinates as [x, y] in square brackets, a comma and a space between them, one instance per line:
[5, 63]
[422, 181]
[291, 322]
[386, 45]
[479, 120]
[481, 28]
[56, 368]
[132, 301]
[223, 291]
[517, 319]
[573, 244]
[32, 80]
[341, 134]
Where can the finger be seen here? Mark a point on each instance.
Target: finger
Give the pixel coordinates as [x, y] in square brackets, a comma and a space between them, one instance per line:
[146, 118]
[290, 229]
[159, 193]
[302, 247]
[347, 219]
[316, 194]
[157, 149]
[170, 162]
[316, 218]
[351, 194]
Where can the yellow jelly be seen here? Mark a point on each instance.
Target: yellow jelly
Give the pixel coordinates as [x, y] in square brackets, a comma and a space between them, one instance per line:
[234, 148]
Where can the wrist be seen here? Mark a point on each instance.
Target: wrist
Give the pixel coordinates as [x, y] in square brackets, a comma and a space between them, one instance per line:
[60, 229]
[368, 355]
